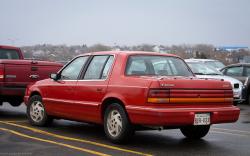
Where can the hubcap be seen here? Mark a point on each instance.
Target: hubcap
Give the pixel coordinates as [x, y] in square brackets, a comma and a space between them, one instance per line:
[37, 111]
[114, 123]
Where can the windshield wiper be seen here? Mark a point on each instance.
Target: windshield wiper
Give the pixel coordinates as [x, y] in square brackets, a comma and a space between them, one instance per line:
[213, 74]
[199, 74]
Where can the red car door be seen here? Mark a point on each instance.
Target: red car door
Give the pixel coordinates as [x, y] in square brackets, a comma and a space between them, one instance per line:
[91, 89]
[60, 95]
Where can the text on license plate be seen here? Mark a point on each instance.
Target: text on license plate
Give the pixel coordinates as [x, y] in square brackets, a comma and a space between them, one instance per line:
[202, 119]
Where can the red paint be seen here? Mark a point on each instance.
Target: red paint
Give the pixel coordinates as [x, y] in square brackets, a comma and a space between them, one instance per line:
[84, 100]
[15, 74]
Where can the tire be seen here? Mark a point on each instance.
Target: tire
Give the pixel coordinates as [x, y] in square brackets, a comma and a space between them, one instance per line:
[36, 112]
[116, 124]
[248, 100]
[195, 132]
[235, 103]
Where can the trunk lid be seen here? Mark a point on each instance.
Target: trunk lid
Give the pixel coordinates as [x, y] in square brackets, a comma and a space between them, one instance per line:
[192, 83]
[194, 90]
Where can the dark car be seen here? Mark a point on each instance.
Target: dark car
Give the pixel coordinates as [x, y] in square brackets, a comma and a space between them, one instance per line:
[240, 71]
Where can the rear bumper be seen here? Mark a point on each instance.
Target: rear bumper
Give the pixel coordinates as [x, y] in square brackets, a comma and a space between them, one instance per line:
[12, 91]
[179, 116]
[238, 101]
[239, 96]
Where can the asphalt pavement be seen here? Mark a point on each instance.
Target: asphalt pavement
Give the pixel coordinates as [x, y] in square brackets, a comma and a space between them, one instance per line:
[68, 138]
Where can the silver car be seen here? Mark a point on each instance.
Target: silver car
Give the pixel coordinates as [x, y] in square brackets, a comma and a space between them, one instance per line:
[202, 70]
[209, 62]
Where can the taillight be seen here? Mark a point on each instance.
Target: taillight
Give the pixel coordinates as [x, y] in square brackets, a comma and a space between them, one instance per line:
[158, 96]
[1, 73]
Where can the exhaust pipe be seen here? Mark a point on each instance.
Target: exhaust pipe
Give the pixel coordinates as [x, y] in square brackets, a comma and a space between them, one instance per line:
[159, 128]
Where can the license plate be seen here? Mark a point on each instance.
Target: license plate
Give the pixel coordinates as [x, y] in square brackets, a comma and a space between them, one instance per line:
[236, 94]
[202, 119]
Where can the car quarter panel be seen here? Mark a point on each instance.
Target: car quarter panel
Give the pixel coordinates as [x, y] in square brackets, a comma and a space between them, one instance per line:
[131, 89]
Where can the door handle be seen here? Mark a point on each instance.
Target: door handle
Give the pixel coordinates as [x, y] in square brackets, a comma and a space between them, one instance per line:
[99, 89]
[34, 76]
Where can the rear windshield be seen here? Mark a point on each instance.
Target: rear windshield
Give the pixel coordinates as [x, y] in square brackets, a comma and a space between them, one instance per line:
[199, 68]
[8, 54]
[157, 65]
[215, 64]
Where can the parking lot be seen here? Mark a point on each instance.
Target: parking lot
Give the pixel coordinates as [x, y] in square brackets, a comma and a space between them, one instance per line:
[64, 137]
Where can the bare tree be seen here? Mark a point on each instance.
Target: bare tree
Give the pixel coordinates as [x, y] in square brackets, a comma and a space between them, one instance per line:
[99, 47]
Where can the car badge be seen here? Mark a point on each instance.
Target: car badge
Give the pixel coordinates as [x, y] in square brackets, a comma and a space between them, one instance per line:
[167, 85]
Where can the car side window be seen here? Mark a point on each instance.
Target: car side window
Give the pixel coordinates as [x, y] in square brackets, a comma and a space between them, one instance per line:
[107, 67]
[9, 54]
[234, 71]
[96, 66]
[247, 71]
[223, 71]
[72, 71]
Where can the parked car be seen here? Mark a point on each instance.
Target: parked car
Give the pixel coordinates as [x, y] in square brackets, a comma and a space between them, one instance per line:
[240, 71]
[210, 62]
[202, 70]
[125, 91]
[16, 73]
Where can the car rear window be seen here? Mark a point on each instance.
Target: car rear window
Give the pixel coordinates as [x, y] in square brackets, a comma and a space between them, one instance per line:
[8, 54]
[215, 64]
[202, 69]
[157, 65]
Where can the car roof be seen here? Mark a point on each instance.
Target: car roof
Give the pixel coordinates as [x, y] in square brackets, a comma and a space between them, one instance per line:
[8, 47]
[195, 62]
[199, 60]
[128, 53]
[238, 64]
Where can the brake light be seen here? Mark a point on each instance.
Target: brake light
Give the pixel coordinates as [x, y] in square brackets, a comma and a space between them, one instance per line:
[1, 73]
[158, 96]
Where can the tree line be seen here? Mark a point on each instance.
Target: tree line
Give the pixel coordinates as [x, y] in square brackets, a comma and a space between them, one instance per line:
[66, 53]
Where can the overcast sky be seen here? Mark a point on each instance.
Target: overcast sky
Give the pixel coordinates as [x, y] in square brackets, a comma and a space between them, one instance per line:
[127, 22]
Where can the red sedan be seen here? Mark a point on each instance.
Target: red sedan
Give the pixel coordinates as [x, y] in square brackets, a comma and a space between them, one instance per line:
[125, 91]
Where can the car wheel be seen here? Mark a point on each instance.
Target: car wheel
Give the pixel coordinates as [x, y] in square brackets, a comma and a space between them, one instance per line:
[36, 112]
[116, 124]
[195, 132]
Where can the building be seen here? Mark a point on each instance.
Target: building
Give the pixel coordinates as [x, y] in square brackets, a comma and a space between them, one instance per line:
[231, 48]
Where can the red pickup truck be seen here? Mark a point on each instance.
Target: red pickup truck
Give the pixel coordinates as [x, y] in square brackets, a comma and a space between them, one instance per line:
[16, 73]
[127, 91]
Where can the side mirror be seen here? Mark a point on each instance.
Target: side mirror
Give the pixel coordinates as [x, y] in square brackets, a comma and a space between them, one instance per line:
[54, 76]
